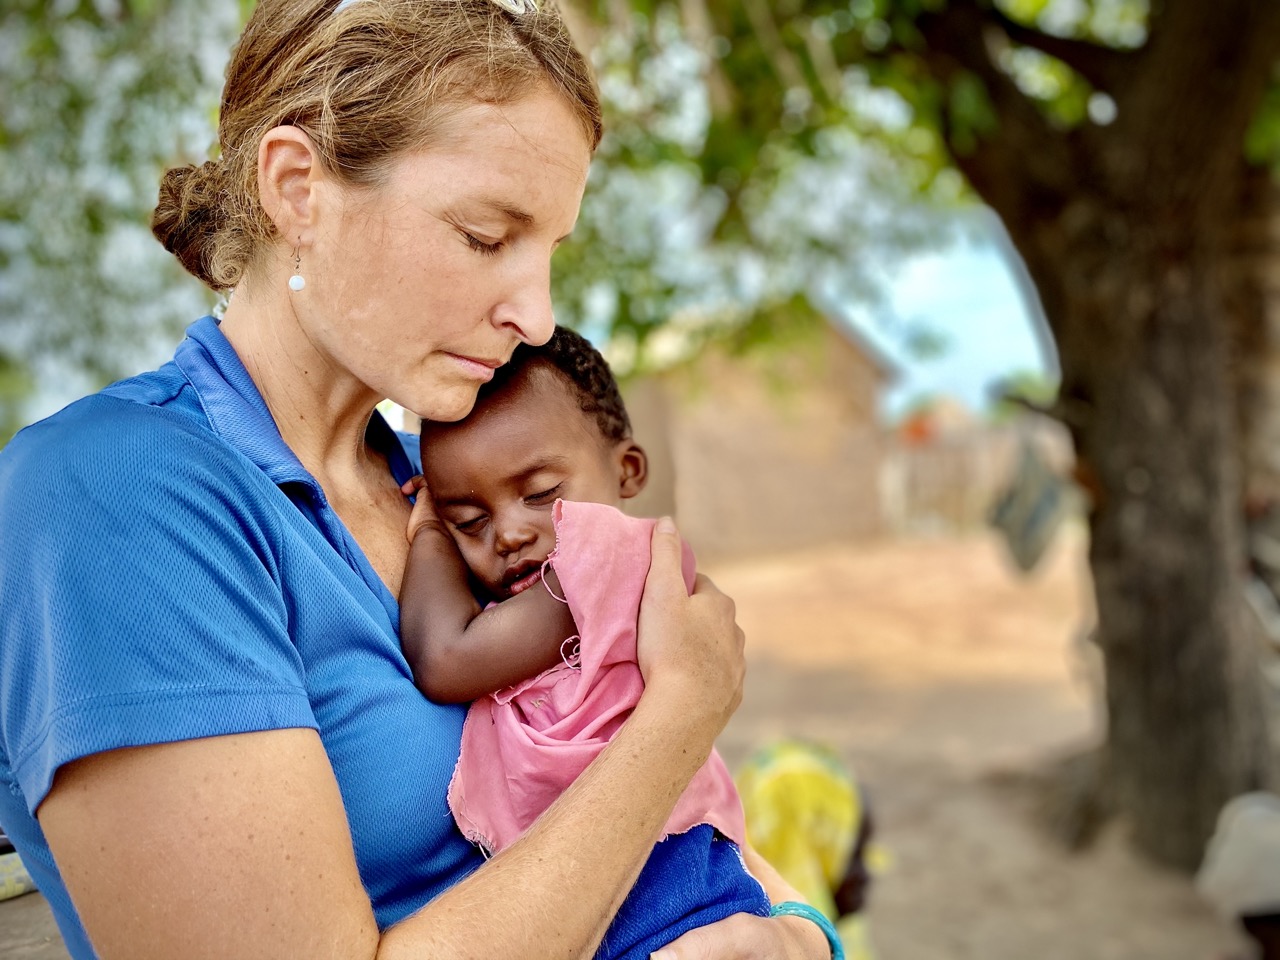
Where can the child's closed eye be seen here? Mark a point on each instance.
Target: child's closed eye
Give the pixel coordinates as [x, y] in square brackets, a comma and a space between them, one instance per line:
[471, 526]
[544, 496]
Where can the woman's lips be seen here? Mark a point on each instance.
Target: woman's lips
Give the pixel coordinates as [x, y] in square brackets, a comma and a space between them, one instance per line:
[480, 368]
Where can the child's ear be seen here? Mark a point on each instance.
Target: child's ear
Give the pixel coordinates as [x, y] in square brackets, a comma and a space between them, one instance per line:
[633, 468]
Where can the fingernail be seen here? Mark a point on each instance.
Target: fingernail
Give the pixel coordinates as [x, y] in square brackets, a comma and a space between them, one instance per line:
[664, 954]
[665, 525]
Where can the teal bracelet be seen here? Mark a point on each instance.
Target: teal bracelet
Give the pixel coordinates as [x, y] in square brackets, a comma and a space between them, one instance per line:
[794, 908]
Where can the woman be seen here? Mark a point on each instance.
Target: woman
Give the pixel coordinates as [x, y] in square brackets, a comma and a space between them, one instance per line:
[211, 744]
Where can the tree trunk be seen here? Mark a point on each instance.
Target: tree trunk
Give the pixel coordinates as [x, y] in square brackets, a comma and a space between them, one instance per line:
[1126, 229]
[1147, 395]
[1124, 226]
[1253, 315]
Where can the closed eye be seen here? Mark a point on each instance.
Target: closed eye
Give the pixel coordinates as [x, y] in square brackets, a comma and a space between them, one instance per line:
[480, 247]
[546, 496]
[471, 526]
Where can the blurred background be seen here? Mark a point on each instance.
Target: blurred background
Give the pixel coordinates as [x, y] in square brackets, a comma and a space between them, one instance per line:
[952, 328]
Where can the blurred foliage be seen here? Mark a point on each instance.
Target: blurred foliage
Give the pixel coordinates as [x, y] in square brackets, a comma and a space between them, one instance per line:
[98, 97]
[693, 230]
[797, 139]
[756, 153]
[15, 385]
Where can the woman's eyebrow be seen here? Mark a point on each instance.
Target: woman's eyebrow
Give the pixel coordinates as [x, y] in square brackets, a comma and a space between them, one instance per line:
[514, 213]
[508, 210]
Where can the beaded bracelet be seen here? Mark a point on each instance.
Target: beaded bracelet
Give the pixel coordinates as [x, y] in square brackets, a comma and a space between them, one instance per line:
[794, 908]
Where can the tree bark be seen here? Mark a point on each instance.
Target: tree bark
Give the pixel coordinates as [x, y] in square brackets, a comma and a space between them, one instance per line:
[1252, 305]
[1126, 231]
[1148, 350]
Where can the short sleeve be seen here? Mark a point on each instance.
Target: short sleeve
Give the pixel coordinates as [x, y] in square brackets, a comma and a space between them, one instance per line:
[141, 599]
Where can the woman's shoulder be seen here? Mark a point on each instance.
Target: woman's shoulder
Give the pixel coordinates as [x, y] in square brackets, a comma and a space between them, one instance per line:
[141, 422]
[137, 447]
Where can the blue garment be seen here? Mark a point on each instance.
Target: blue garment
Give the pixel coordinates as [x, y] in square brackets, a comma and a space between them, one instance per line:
[691, 879]
[169, 571]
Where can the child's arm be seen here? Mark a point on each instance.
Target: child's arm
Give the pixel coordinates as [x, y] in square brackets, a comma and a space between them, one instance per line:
[457, 651]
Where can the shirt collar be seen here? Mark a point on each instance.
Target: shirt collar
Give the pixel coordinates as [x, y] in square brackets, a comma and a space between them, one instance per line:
[239, 415]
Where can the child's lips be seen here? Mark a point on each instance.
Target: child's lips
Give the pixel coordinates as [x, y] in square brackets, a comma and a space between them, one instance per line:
[525, 582]
[521, 576]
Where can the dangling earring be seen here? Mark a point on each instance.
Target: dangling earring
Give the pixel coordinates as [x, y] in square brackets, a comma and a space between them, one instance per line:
[297, 281]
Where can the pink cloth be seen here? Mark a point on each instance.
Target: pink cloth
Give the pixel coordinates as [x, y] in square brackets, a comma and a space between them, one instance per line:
[521, 747]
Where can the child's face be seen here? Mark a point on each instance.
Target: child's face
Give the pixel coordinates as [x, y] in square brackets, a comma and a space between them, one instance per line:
[495, 475]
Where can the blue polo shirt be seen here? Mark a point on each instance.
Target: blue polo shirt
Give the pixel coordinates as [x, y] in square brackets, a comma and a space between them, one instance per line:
[169, 570]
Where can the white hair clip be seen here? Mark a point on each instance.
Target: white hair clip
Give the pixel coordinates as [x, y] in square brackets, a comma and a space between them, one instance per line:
[518, 7]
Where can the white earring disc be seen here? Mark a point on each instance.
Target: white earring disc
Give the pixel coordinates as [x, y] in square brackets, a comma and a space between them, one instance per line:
[296, 282]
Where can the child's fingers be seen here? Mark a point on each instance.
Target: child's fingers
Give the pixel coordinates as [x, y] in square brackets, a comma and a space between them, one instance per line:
[424, 511]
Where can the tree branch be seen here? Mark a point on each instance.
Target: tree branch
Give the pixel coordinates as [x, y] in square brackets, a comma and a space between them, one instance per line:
[766, 30]
[701, 29]
[1025, 162]
[1106, 68]
[824, 62]
[1204, 71]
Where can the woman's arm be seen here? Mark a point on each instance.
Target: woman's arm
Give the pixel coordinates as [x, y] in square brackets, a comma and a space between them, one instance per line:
[239, 845]
[457, 651]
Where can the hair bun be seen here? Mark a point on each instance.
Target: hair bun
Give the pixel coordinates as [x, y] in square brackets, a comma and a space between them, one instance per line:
[189, 215]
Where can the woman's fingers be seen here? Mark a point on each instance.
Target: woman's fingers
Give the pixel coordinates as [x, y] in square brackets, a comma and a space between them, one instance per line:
[747, 937]
[665, 580]
[689, 641]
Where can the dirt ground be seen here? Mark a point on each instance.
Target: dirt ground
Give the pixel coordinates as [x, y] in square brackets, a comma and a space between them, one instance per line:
[950, 683]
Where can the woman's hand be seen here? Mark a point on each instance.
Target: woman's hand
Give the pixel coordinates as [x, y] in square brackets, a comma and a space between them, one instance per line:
[747, 937]
[424, 508]
[689, 647]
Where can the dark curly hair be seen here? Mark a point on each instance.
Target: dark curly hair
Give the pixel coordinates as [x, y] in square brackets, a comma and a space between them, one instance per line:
[581, 364]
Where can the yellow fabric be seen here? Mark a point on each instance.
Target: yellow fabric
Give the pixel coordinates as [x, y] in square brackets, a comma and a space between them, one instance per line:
[853, 937]
[14, 879]
[802, 811]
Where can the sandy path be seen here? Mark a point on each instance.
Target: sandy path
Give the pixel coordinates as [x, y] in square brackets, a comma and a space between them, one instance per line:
[943, 676]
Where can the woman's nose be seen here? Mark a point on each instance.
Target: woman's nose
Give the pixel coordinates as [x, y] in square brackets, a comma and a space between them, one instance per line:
[527, 312]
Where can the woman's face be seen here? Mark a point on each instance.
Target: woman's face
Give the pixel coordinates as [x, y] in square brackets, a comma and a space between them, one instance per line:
[420, 286]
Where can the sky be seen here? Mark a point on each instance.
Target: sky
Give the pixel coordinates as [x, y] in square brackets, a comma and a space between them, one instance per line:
[970, 295]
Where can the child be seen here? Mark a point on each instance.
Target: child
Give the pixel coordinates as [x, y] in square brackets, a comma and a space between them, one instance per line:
[808, 816]
[518, 502]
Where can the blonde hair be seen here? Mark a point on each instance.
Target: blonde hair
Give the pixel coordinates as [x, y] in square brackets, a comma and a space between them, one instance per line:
[365, 82]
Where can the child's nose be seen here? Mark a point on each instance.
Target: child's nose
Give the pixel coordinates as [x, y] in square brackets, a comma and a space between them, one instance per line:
[514, 536]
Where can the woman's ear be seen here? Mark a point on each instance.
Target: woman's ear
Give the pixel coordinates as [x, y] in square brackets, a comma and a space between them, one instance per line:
[288, 167]
[633, 468]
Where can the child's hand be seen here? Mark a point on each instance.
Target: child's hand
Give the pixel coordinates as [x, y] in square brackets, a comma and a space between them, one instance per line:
[424, 508]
